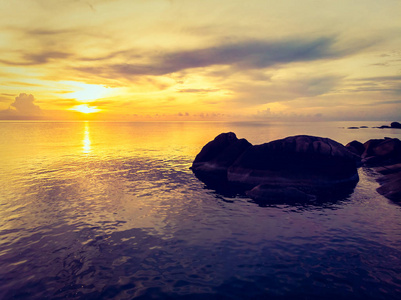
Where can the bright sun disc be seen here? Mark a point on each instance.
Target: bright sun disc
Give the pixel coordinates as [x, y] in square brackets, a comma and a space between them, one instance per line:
[84, 108]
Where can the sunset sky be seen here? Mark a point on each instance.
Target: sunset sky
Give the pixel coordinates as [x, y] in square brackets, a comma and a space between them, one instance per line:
[200, 60]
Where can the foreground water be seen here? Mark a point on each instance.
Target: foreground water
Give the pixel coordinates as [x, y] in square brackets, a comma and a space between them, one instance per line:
[112, 211]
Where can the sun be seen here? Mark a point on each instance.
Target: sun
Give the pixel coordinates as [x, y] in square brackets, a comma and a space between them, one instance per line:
[87, 92]
[85, 108]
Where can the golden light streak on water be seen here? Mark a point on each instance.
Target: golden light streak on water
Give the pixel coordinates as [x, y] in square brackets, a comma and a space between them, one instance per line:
[86, 141]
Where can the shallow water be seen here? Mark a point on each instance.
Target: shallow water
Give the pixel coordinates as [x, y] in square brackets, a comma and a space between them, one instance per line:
[112, 211]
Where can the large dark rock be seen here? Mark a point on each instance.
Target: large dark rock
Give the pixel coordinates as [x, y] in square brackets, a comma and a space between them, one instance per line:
[395, 125]
[382, 151]
[305, 162]
[216, 156]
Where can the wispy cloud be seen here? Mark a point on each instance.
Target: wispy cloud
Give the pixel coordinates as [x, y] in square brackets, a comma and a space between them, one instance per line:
[244, 55]
[30, 59]
[198, 91]
[279, 90]
[387, 84]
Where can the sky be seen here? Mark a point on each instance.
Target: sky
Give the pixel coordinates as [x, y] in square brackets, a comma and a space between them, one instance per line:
[200, 60]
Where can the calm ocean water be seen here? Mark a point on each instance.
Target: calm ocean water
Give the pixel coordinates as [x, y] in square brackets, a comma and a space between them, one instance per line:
[111, 211]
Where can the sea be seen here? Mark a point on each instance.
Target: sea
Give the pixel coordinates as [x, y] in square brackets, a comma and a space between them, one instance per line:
[111, 210]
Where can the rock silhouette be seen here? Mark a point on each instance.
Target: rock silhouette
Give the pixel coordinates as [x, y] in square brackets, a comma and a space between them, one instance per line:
[218, 155]
[299, 167]
[395, 125]
[392, 125]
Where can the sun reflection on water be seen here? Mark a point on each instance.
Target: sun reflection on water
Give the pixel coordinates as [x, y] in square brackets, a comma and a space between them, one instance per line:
[86, 148]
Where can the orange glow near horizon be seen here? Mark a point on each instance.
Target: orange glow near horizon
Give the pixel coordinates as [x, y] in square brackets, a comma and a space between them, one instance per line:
[85, 108]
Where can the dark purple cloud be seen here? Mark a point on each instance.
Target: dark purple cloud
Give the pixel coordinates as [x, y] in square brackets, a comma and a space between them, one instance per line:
[245, 55]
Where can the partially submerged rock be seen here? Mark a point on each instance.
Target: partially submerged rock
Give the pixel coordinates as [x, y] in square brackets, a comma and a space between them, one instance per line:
[390, 181]
[392, 125]
[390, 169]
[384, 155]
[218, 155]
[273, 194]
[298, 161]
[390, 186]
[382, 151]
[395, 125]
[294, 167]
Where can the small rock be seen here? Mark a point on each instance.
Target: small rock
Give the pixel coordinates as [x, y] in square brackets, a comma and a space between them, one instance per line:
[355, 147]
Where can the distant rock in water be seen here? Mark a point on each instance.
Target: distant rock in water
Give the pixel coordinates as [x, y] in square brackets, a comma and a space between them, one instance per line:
[355, 127]
[392, 125]
[395, 125]
[295, 167]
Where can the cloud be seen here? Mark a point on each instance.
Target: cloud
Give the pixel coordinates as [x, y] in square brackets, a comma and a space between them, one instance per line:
[30, 59]
[381, 78]
[279, 90]
[47, 32]
[243, 55]
[268, 114]
[198, 91]
[384, 84]
[22, 108]
[24, 105]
